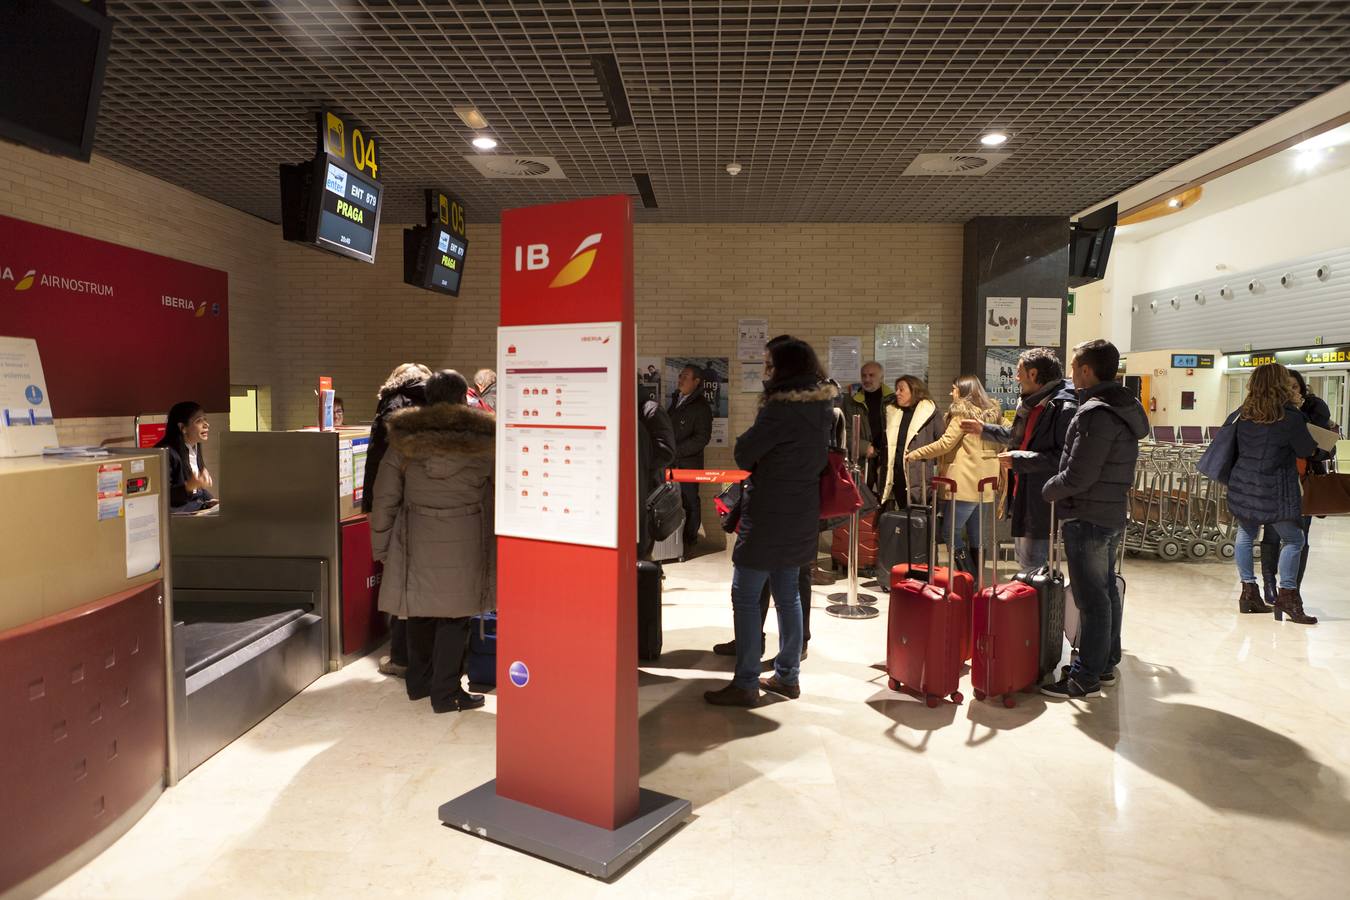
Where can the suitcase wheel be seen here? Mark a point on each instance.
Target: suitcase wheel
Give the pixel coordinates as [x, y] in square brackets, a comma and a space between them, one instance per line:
[893, 684]
[957, 698]
[933, 701]
[979, 694]
[1008, 701]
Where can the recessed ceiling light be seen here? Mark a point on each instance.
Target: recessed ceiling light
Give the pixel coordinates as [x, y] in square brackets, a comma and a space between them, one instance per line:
[993, 138]
[1175, 203]
[472, 117]
[485, 143]
[1307, 160]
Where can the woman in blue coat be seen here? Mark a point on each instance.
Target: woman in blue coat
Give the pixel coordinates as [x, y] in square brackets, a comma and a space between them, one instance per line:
[785, 451]
[1263, 490]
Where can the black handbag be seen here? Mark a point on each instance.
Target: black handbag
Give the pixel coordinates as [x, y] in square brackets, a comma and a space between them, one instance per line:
[665, 511]
[728, 505]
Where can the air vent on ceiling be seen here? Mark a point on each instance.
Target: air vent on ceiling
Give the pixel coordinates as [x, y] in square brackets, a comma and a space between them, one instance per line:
[512, 166]
[955, 163]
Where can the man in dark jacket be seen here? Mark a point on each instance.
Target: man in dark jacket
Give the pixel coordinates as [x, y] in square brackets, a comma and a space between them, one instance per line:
[866, 401]
[692, 418]
[1092, 493]
[1036, 439]
[656, 453]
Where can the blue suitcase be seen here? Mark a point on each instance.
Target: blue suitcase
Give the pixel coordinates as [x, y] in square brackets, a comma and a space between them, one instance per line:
[482, 664]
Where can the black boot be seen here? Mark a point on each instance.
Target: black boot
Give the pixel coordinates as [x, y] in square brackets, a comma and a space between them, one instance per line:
[1290, 604]
[1250, 601]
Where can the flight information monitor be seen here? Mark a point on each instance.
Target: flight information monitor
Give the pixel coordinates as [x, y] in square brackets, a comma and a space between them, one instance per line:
[445, 263]
[333, 201]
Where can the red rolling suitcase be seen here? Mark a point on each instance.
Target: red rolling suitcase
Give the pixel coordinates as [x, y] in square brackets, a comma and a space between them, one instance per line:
[867, 543]
[923, 631]
[962, 588]
[1007, 628]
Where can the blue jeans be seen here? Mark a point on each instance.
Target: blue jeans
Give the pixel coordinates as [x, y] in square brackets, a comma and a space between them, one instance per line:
[1291, 551]
[1032, 553]
[746, 585]
[1090, 551]
[967, 534]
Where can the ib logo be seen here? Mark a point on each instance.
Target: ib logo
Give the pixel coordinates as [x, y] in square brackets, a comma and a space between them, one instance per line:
[33, 394]
[520, 673]
[533, 257]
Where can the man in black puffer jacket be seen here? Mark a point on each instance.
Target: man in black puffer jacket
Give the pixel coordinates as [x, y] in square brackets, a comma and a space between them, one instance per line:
[1092, 493]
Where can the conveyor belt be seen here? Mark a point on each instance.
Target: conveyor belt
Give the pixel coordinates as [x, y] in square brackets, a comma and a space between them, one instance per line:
[211, 631]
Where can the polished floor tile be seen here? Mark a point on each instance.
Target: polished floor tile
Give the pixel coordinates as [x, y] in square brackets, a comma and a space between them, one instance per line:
[1218, 766]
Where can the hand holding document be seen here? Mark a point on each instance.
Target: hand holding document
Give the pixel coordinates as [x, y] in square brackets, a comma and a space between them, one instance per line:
[1325, 437]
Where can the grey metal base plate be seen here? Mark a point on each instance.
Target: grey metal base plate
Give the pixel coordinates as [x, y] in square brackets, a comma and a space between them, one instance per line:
[598, 852]
[863, 598]
[846, 611]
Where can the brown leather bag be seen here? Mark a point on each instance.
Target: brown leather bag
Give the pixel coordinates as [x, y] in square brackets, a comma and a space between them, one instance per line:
[1326, 495]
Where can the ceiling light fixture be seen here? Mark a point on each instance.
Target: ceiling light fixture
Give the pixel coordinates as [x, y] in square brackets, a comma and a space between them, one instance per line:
[1307, 160]
[472, 117]
[993, 139]
[485, 143]
[1175, 203]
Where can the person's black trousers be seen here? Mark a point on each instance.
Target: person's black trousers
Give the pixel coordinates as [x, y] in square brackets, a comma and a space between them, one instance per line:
[436, 651]
[1270, 557]
[803, 593]
[693, 513]
[398, 641]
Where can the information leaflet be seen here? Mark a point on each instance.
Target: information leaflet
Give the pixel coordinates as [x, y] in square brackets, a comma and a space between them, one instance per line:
[557, 440]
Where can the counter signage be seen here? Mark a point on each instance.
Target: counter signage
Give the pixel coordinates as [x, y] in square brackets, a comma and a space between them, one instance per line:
[1192, 360]
[558, 407]
[1310, 356]
[26, 424]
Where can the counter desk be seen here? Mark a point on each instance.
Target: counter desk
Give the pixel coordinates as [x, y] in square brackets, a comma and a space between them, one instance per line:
[85, 748]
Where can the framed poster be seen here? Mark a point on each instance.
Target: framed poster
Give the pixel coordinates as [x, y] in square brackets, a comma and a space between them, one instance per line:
[716, 384]
[1002, 321]
[902, 350]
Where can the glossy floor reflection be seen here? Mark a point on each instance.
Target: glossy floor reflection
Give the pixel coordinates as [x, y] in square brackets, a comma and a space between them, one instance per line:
[1218, 766]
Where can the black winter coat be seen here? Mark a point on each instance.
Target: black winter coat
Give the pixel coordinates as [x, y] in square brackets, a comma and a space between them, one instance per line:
[785, 451]
[1035, 465]
[693, 431]
[410, 393]
[656, 453]
[180, 498]
[1101, 449]
[1263, 488]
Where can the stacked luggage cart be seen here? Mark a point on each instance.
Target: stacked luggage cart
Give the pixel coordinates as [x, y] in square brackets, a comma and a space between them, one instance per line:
[1177, 513]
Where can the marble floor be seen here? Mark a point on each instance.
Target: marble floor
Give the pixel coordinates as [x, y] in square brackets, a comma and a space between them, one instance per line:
[1218, 766]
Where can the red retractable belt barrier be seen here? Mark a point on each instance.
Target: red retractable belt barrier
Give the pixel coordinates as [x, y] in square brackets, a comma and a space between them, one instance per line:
[706, 476]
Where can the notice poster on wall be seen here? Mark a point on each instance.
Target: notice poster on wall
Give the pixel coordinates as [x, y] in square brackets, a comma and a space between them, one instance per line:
[1002, 321]
[142, 522]
[750, 378]
[845, 359]
[648, 379]
[901, 350]
[1043, 317]
[26, 425]
[716, 372]
[558, 437]
[360, 450]
[1000, 377]
[751, 336]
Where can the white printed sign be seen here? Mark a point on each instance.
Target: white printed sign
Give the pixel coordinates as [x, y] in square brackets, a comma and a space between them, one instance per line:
[26, 425]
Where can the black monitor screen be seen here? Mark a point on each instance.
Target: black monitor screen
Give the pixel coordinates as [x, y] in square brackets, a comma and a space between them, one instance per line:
[445, 261]
[349, 213]
[53, 54]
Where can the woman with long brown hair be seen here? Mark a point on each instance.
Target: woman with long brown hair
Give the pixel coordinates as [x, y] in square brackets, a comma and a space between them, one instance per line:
[911, 422]
[1263, 489]
[967, 459]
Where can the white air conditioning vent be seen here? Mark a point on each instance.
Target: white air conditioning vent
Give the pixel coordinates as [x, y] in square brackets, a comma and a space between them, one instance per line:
[510, 166]
[955, 163]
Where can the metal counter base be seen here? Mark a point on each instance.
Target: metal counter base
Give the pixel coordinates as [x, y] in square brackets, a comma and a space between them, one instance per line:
[596, 851]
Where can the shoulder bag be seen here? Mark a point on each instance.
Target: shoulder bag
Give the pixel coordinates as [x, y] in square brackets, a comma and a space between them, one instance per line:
[1216, 463]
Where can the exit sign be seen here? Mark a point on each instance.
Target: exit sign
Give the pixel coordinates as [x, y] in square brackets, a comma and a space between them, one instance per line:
[1069, 304]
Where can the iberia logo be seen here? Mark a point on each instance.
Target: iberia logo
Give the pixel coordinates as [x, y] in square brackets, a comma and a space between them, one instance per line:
[579, 266]
[20, 284]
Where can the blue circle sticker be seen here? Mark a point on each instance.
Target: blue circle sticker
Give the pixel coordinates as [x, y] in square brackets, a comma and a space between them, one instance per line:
[33, 394]
[520, 673]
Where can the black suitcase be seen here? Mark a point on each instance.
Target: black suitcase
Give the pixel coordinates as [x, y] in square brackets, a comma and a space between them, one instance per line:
[902, 537]
[1048, 581]
[649, 610]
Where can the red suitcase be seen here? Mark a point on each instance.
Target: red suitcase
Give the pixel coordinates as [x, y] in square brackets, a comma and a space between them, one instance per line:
[964, 588]
[867, 543]
[1007, 629]
[923, 631]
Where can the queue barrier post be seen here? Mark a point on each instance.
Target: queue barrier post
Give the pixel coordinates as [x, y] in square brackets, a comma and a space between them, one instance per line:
[852, 604]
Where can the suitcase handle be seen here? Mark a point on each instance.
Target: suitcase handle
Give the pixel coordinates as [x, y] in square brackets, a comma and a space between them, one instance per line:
[987, 537]
[950, 484]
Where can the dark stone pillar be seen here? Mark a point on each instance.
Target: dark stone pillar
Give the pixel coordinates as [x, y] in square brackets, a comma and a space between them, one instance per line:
[1010, 256]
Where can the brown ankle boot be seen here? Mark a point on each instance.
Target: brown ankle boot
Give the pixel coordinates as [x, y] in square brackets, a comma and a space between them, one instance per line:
[1251, 601]
[1290, 604]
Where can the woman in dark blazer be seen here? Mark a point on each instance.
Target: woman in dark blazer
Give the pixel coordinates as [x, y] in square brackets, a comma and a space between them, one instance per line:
[189, 481]
[1263, 489]
[785, 451]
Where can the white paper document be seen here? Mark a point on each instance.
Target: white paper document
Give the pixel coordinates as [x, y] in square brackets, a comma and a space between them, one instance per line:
[845, 359]
[557, 432]
[142, 515]
[751, 336]
[1325, 437]
[751, 377]
[1043, 318]
[1002, 321]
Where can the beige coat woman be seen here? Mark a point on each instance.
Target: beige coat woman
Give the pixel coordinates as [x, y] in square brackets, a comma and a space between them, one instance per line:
[431, 523]
[967, 459]
[924, 428]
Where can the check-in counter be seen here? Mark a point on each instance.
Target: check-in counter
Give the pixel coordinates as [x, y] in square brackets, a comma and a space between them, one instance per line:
[84, 716]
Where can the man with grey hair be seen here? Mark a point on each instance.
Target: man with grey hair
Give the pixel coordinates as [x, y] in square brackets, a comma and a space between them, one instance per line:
[483, 394]
[867, 401]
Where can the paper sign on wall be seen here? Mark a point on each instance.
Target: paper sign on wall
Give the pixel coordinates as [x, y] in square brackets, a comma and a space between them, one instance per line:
[845, 359]
[901, 350]
[751, 336]
[142, 525]
[1043, 317]
[26, 424]
[1002, 321]
[557, 436]
[750, 378]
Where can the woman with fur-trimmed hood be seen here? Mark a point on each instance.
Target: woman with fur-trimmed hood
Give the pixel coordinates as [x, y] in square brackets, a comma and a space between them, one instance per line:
[911, 422]
[432, 527]
[785, 452]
